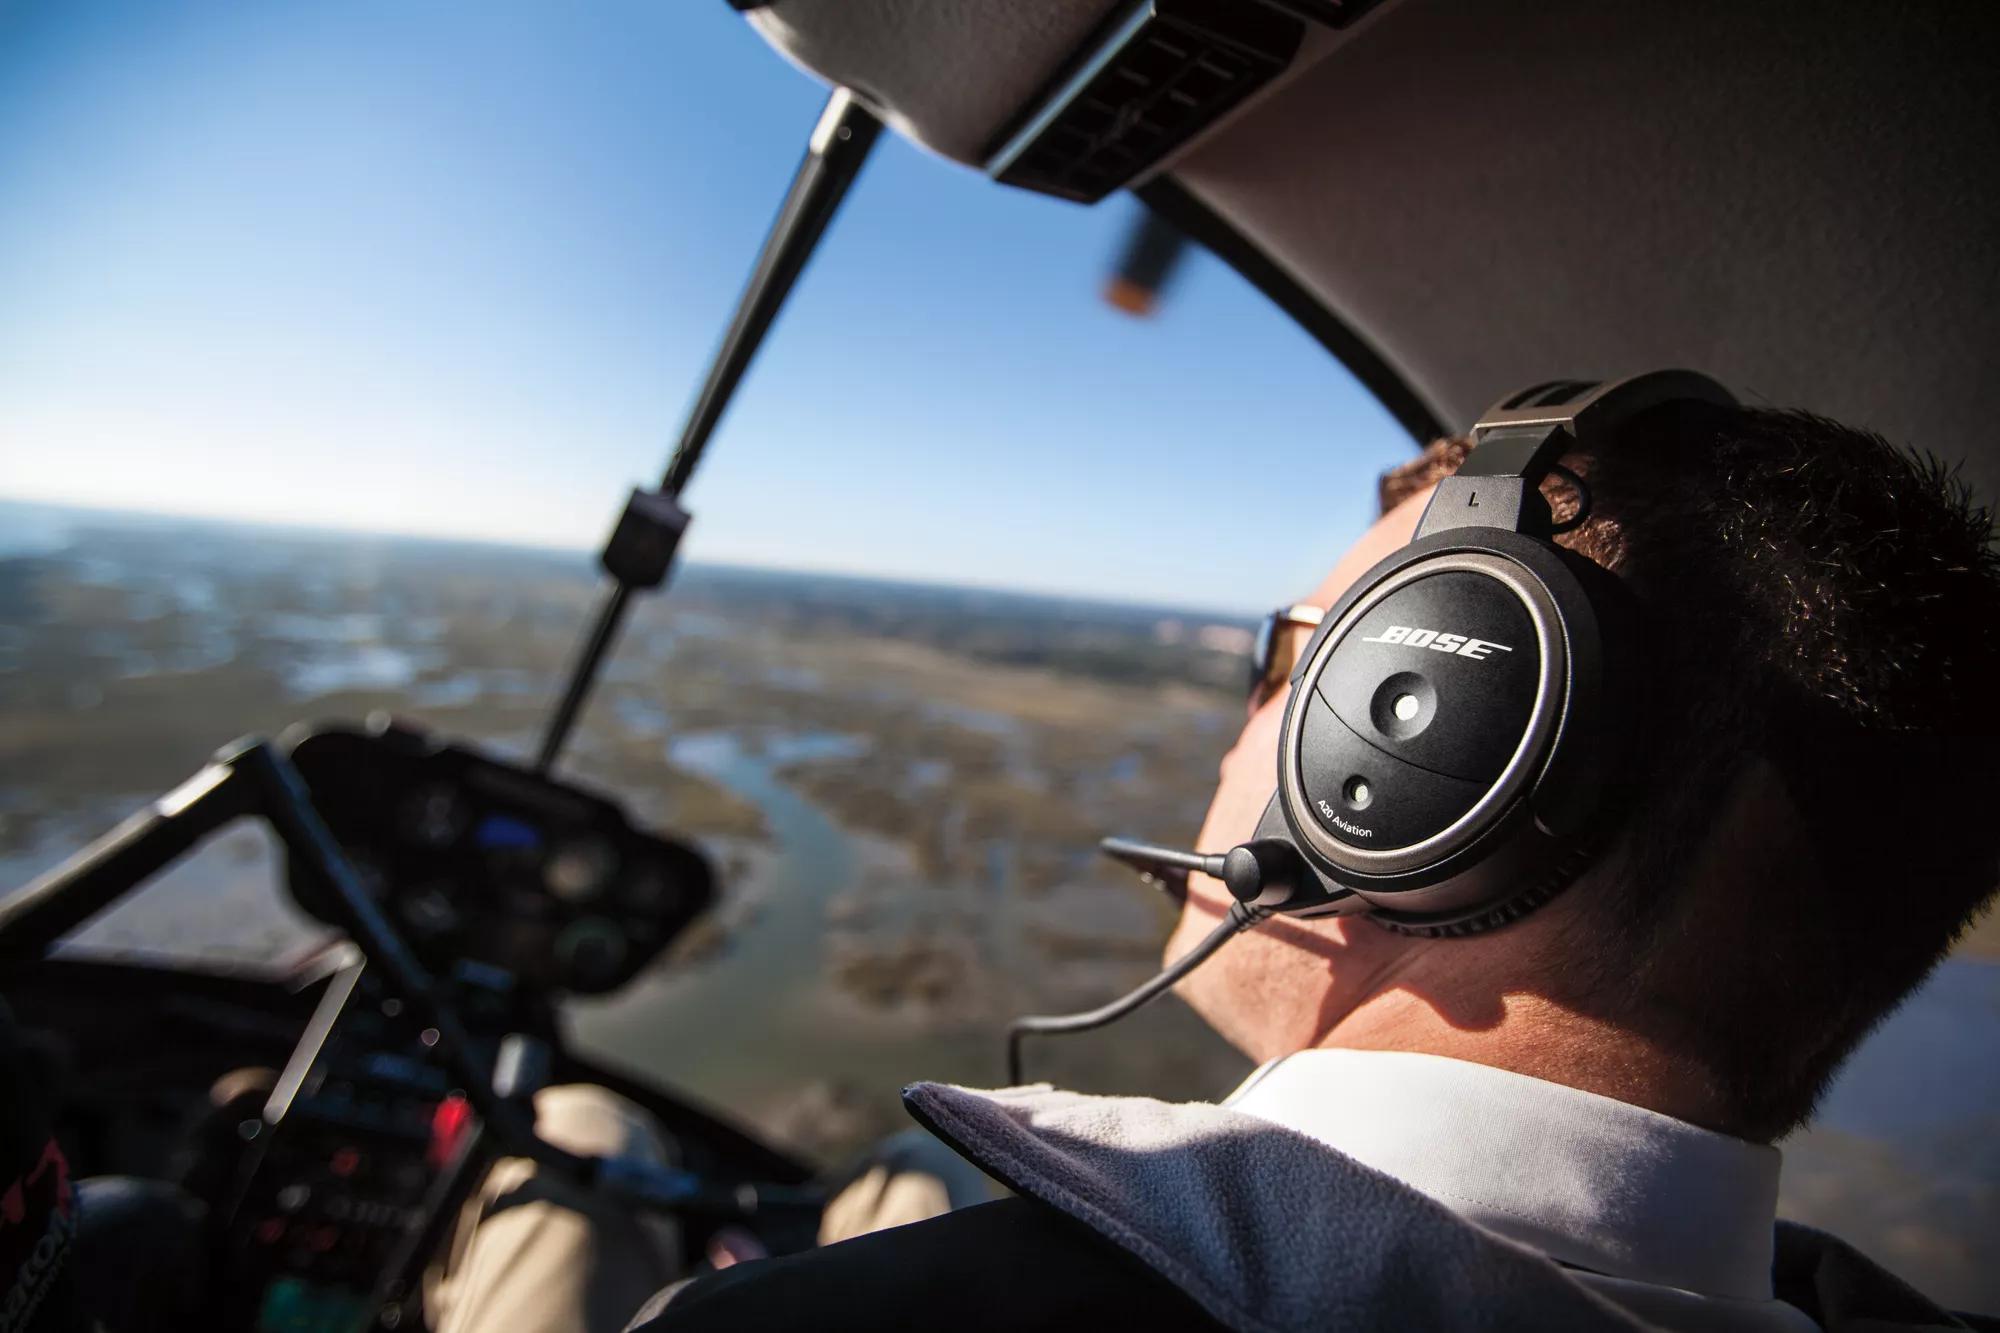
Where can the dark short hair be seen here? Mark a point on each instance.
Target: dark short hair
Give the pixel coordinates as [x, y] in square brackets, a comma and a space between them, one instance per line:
[1808, 596]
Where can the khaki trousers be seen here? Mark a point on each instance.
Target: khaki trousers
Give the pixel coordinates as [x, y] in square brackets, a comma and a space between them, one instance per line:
[535, 1254]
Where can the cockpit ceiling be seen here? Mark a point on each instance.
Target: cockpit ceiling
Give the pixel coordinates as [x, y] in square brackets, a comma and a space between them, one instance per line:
[946, 73]
[1798, 197]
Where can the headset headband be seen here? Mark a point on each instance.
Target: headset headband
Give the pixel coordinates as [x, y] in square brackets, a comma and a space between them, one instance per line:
[1519, 440]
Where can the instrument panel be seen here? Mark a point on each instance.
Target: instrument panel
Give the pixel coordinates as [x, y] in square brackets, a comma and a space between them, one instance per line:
[478, 859]
[345, 1172]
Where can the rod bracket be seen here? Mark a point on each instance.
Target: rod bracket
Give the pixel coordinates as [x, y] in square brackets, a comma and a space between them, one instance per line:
[640, 551]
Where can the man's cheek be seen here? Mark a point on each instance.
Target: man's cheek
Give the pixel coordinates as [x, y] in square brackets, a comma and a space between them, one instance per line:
[1248, 776]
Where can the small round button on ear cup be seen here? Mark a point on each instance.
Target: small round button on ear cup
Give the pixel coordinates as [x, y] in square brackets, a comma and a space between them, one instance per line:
[1404, 705]
[1368, 799]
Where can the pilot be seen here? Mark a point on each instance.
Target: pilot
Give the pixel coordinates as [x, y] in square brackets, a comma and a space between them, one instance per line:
[1567, 1121]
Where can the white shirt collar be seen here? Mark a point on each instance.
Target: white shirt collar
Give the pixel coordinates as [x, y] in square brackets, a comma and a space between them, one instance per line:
[1588, 1180]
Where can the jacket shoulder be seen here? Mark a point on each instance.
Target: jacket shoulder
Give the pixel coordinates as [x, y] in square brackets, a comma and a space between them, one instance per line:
[1013, 1264]
[1842, 1289]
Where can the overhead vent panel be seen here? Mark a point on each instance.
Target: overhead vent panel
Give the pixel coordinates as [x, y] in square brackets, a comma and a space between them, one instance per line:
[1157, 74]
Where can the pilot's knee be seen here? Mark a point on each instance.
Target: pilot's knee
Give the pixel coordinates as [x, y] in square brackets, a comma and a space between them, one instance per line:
[907, 1177]
[596, 1122]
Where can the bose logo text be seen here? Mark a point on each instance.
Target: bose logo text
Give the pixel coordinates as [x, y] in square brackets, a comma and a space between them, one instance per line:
[1437, 642]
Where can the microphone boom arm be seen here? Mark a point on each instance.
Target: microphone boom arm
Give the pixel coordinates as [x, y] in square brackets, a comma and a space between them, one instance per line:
[1239, 919]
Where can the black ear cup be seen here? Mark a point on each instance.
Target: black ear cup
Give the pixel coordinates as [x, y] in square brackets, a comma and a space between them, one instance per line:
[1448, 701]
[1421, 705]
[1453, 751]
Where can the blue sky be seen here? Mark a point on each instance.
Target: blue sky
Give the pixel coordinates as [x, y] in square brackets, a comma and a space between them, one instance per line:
[443, 268]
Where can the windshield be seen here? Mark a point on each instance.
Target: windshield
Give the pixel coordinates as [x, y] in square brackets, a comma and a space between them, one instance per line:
[334, 336]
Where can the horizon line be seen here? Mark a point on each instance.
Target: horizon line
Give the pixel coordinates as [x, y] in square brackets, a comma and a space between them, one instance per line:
[591, 551]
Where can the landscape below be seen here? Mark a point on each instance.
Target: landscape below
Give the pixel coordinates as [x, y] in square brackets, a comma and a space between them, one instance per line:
[902, 785]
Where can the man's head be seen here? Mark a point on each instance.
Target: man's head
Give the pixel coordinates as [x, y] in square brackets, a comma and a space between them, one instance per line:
[1810, 677]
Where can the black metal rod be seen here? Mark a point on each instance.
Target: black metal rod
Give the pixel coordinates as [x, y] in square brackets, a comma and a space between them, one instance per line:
[834, 156]
[583, 674]
[32, 920]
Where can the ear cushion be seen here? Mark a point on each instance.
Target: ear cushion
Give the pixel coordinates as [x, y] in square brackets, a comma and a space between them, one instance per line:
[1564, 871]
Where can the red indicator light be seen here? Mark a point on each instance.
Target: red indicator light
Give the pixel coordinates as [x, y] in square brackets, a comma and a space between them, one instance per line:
[448, 1125]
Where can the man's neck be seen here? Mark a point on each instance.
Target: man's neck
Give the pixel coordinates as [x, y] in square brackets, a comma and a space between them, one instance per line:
[1536, 1037]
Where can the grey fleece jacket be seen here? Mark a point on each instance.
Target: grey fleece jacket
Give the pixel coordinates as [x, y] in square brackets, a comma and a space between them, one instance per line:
[1261, 1227]
[1267, 1229]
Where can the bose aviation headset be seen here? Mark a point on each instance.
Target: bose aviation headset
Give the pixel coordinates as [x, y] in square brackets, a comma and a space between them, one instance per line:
[1452, 724]
[1449, 758]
